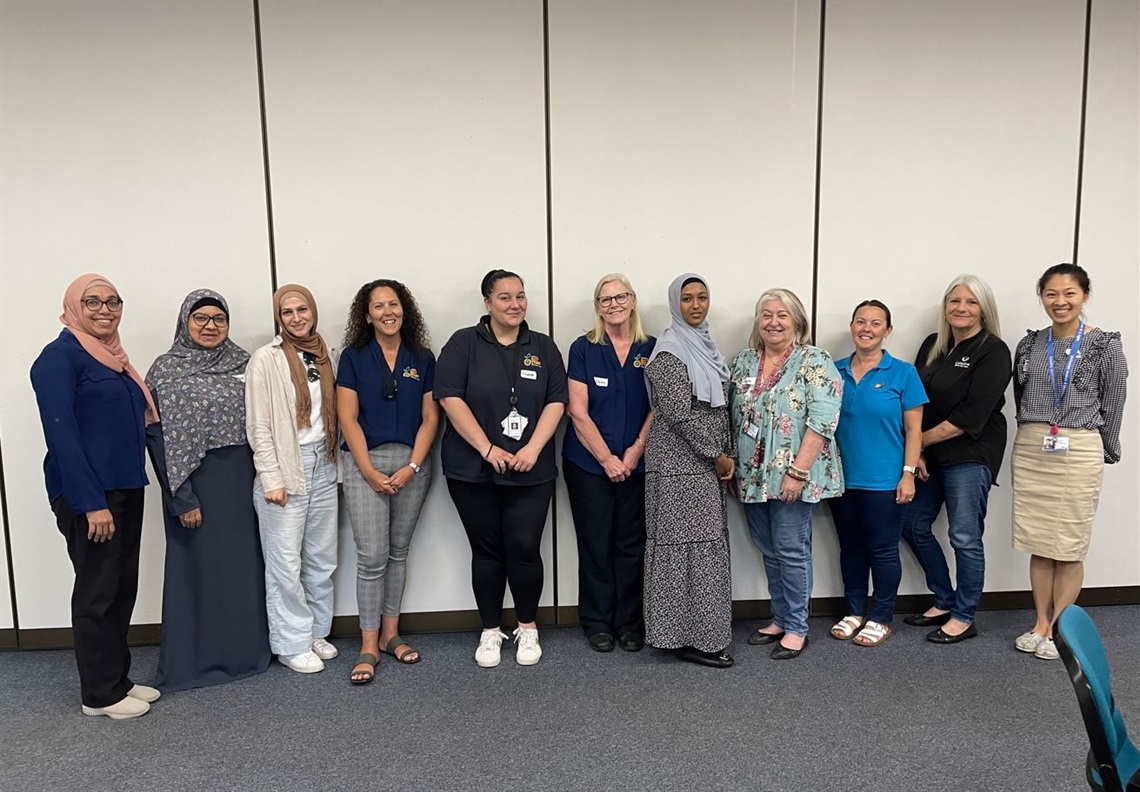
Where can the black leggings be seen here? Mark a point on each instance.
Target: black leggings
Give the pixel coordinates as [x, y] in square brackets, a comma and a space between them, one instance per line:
[504, 526]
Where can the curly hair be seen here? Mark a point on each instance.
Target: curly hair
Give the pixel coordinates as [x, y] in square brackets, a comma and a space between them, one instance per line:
[358, 331]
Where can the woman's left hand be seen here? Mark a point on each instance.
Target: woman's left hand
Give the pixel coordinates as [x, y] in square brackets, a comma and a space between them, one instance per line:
[191, 519]
[525, 458]
[398, 480]
[904, 492]
[791, 489]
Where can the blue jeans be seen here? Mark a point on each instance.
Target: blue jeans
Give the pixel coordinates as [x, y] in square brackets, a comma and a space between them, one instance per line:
[782, 533]
[965, 489]
[868, 525]
[299, 543]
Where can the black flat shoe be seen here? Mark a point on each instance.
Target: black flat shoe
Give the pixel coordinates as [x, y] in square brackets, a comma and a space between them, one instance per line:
[940, 637]
[601, 642]
[782, 652]
[631, 641]
[919, 620]
[760, 639]
[711, 659]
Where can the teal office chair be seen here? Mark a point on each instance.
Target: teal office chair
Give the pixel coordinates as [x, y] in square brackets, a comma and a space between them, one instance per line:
[1113, 763]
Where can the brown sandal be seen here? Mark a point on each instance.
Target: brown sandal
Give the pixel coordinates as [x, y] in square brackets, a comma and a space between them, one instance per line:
[395, 644]
[365, 658]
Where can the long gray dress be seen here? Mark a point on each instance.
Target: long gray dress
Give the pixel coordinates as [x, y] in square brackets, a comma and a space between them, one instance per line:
[688, 584]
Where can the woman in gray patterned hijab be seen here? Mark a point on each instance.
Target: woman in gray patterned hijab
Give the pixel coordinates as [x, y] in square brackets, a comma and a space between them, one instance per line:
[214, 625]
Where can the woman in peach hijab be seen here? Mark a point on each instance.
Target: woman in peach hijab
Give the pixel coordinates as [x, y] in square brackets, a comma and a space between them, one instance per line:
[95, 408]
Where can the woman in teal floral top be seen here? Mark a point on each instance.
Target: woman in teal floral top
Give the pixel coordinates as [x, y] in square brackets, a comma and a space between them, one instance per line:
[786, 396]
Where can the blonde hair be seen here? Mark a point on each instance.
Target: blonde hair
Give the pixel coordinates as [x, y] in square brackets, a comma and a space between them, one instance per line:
[597, 335]
[985, 297]
[796, 308]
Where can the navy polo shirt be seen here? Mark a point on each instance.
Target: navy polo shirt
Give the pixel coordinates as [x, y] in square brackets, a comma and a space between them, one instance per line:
[395, 420]
[94, 424]
[618, 399]
[870, 433]
[478, 369]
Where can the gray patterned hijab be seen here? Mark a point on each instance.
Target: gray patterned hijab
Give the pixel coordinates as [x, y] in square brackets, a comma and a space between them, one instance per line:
[202, 392]
[694, 346]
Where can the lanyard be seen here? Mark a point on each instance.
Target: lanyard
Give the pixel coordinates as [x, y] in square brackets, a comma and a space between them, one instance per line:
[774, 377]
[1066, 377]
[512, 374]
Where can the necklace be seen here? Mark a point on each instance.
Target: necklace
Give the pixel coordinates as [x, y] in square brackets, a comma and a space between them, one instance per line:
[765, 383]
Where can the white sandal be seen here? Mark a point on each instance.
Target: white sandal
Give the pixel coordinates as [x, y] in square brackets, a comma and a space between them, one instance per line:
[845, 628]
[872, 634]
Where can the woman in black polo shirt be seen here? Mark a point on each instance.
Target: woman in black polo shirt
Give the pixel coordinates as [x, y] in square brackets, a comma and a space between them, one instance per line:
[965, 368]
[604, 469]
[503, 389]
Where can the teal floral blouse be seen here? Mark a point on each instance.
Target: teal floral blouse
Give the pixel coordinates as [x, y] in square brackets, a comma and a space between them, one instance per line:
[770, 426]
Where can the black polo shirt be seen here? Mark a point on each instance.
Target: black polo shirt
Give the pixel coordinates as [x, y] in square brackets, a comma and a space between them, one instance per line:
[967, 388]
[475, 367]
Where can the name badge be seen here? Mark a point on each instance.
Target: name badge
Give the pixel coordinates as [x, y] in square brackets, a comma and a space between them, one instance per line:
[751, 429]
[527, 374]
[1054, 443]
[748, 382]
[514, 424]
[602, 382]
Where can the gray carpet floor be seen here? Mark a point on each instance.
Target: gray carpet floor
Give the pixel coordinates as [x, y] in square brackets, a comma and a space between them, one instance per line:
[908, 715]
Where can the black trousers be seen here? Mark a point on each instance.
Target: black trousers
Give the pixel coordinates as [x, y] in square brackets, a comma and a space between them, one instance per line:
[504, 526]
[609, 519]
[106, 583]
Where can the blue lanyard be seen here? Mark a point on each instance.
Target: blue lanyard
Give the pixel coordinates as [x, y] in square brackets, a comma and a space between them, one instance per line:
[1067, 376]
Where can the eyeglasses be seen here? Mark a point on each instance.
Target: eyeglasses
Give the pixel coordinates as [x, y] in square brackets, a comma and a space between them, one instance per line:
[311, 366]
[391, 387]
[619, 299]
[219, 320]
[94, 304]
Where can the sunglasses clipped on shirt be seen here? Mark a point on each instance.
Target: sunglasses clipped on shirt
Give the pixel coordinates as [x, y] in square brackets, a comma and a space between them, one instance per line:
[311, 366]
[391, 387]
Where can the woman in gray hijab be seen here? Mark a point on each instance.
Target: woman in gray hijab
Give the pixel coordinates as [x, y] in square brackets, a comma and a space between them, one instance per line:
[214, 626]
[688, 462]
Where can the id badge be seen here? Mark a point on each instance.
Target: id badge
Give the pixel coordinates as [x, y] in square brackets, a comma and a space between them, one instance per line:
[751, 429]
[1055, 443]
[514, 424]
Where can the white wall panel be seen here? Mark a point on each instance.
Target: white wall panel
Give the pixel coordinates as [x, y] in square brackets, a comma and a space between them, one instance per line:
[950, 142]
[1109, 249]
[130, 146]
[682, 138]
[407, 141]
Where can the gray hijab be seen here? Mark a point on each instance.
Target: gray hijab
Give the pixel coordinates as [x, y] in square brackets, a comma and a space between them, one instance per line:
[694, 347]
[202, 392]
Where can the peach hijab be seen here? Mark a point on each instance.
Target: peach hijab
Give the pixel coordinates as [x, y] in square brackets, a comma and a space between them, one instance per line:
[109, 352]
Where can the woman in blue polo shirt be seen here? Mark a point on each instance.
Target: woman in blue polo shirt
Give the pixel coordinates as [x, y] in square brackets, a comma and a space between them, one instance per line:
[880, 439]
[503, 388]
[605, 472]
[389, 420]
[94, 408]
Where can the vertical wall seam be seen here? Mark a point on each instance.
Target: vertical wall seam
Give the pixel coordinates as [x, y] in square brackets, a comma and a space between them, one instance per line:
[8, 550]
[549, 266]
[818, 169]
[265, 146]
[1081, 138]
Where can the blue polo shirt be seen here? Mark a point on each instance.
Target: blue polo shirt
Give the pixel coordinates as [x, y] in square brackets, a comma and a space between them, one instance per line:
[93, 420]
[618, 399]
[383, 420]
[870, 433]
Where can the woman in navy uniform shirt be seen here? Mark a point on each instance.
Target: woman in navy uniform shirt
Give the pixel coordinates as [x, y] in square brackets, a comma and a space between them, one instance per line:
[503, 388]
[605, 473]
[389, 420]
[965, 368]
[94, 408]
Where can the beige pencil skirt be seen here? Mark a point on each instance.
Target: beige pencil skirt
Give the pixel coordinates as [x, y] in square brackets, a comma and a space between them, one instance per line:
[1055, 494]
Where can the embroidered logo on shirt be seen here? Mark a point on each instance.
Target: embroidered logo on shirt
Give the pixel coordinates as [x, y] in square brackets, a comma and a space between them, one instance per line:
[640, 361]
[963, 363]
[532, 360]
[411, 373]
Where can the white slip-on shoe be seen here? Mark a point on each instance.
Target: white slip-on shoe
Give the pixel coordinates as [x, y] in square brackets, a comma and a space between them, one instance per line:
[490, 648]
[324, 650]
[1047, 650]
[144, 693]
[304, 663]
[528, 652]
[121, 710]
[1028, 642]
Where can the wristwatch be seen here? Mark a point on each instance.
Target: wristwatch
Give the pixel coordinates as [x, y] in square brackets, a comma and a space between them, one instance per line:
[415, 467]
[910, 469]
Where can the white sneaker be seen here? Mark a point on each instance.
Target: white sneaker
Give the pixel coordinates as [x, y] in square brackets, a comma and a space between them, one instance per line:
[1028, 642]
[120, 710]
[304, 663]
[1047, 650]
[324, 650]
[528, 652]
[490, 648]
[144, 693]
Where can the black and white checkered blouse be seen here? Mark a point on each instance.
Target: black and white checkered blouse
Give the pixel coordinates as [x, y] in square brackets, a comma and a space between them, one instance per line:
[1095, 399]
